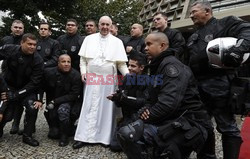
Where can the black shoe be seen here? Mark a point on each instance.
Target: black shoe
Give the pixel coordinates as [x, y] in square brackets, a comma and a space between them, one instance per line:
[20, 132]
[1, 132]
[53, 133]
[115, 148]
[63, 143]
[105, 146]
[14, 129]
[78, 144]
[30, 141]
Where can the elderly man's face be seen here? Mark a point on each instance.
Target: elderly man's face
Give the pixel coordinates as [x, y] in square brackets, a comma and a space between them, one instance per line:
[104, 26]
[198, 15]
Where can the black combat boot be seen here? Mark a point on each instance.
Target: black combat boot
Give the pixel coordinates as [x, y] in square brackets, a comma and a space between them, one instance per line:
[1, 130]
[53, 133]
[78, 144]
[15, 127]
[231, 147]
[64, 141]
[208, 150]
[17, 118]
[30, 140]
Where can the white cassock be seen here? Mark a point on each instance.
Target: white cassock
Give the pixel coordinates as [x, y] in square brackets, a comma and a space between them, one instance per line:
[100, 57]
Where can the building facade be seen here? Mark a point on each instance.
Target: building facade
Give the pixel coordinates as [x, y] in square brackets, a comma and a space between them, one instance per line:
[178, 12]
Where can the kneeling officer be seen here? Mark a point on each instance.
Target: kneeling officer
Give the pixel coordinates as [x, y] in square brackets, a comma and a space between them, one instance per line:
[62, 85]
[173, 121]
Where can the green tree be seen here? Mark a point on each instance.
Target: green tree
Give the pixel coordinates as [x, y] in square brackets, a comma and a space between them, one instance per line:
[124, 12]
[27, 11]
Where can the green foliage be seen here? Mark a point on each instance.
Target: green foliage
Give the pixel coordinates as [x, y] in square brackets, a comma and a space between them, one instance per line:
[125, 13]
[56, 12]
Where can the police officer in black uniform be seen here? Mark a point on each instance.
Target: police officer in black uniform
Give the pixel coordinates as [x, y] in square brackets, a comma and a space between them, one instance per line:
[70, 43]
[174, 121]
[62, 85]
[47, 47]
[176, 40]
[214, 83]
[135, 42]
[17, 29]
[132, 94]
[23, 75]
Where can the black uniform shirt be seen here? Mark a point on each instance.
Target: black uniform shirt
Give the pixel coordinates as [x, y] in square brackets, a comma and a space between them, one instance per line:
[71, 45]
[49, 50]
[23, 72]
[61, 87]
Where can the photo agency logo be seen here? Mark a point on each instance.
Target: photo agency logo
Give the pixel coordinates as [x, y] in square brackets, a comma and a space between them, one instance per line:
[94, 79]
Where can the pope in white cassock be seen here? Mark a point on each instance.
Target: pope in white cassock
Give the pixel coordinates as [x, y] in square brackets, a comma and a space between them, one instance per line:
[100, 56]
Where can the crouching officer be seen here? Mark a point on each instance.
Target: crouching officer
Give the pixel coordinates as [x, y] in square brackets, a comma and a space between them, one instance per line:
[23, 75]
[62, 85]
[131, 95]
[174, 122]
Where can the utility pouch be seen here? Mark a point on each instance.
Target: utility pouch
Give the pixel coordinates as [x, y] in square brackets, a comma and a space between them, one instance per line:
[194, 139]
[191, 133]
[166, 131]
[173, 128]
[240, 95]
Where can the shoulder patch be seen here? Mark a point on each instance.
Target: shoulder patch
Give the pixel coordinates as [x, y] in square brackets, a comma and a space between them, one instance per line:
[172, 71]
[209, 38]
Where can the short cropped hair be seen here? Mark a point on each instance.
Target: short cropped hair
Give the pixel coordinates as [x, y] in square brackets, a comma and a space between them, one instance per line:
[44, 23]
[204, 4]
[162, 13]
[72, 20]
[17, 21]
[30, 36]
[140, 58]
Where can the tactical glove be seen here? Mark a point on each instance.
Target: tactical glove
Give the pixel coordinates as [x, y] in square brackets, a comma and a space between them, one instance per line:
[12, 95]
[231, 59]
[51, 105]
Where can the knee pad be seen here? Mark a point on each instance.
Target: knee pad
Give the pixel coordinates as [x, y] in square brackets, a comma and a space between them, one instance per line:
[64, 113]
[132, 131]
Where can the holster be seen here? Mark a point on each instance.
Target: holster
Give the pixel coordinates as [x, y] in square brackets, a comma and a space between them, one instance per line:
[182, 130]
[180, 125]
[240, 96]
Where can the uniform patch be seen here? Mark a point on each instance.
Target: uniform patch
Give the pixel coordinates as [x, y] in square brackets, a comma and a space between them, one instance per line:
[38, 48]
[192, 39]
[172, 71]
[47, 51]
[73, 48]
[209, 38]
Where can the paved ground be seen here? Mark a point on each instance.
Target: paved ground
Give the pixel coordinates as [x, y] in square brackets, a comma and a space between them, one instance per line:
[11, 147]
